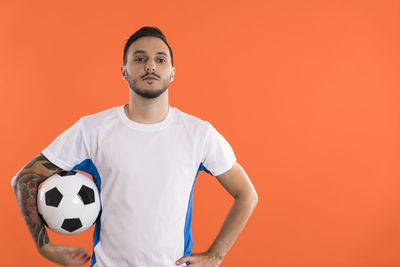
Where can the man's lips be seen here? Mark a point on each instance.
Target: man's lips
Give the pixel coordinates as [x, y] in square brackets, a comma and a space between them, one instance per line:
[150, 78]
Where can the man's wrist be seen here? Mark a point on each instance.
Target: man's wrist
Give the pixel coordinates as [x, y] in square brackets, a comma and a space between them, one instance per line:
[45, 249]
[215, 253]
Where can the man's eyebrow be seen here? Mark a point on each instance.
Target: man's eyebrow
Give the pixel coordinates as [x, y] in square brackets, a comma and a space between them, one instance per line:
[162, 53]
[139, 52]
[144, 52]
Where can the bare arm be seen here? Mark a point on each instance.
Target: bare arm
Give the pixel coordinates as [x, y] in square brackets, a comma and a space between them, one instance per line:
[25, 189]
[238, 184]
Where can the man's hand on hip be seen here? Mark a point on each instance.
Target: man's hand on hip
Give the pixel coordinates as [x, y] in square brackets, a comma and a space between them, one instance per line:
[205, 259]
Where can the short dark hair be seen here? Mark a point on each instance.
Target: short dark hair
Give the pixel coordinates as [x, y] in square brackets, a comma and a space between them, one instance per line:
[143, 32]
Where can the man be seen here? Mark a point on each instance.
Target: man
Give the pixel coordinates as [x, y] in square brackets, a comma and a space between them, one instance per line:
[144, 157]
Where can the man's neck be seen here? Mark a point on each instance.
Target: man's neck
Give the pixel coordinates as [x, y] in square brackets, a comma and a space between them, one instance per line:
[147, 111]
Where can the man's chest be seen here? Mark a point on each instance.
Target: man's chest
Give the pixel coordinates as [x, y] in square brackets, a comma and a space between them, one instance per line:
[148, 159]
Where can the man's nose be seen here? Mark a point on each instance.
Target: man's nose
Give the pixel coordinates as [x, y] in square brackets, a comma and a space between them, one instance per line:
[150, 66]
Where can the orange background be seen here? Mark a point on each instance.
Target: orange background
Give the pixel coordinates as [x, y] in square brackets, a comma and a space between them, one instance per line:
[306, 92]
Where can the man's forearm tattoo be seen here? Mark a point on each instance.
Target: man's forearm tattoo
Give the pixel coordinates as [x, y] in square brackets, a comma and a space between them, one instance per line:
[26, 187]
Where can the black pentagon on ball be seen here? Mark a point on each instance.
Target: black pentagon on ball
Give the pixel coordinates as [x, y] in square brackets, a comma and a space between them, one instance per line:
[86, 194]
[71, 225]
[66, 173]
[53, 197]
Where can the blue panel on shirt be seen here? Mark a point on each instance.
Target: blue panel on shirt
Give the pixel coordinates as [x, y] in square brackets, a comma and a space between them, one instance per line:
[88, 166]
[188, 220]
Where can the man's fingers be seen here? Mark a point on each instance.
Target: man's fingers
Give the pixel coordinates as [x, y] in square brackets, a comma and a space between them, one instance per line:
[77, 256]
[83, 258]
[184, 259]
[75, 252]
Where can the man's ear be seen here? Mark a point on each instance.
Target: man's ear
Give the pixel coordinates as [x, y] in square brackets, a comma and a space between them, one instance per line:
[123, 72]
[171, 77]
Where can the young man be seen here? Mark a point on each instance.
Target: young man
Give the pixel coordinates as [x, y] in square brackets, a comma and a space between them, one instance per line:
[144, 157]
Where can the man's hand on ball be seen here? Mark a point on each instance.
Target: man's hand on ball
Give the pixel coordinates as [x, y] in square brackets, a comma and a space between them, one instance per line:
[64, 255]
[205, 259]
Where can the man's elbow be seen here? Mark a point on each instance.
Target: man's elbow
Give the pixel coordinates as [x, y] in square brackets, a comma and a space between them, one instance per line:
[249, 196]
[254, 198]
[14, 183]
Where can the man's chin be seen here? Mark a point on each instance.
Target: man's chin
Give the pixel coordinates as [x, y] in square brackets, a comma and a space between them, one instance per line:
[149, 93]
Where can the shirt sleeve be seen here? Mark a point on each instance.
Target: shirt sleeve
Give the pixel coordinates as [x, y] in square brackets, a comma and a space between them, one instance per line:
[218, 156]
[69, 148]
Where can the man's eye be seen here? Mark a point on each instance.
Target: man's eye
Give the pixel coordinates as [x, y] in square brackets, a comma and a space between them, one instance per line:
[161, 60]
[140, 59]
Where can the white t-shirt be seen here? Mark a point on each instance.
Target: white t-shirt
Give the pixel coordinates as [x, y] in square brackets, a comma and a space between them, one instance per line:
[145, 174]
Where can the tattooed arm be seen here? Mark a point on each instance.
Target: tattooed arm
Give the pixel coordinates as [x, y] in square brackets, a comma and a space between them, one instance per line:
[25, 188]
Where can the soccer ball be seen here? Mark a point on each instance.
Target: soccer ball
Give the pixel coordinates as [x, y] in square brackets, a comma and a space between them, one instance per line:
[68, 202]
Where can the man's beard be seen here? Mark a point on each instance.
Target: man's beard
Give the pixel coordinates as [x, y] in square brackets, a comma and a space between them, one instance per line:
[147, 93]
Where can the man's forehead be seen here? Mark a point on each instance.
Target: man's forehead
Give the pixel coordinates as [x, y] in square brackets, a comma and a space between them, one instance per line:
[149, 45]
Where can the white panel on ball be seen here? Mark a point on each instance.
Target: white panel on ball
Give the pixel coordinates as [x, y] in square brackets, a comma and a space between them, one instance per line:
[71, 206]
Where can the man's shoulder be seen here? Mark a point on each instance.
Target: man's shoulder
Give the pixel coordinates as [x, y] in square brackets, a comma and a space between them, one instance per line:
[192, 119]
[193, 123]
[102, 116]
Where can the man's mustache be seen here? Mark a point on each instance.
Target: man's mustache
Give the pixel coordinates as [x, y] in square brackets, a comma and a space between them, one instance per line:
[150, 74]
